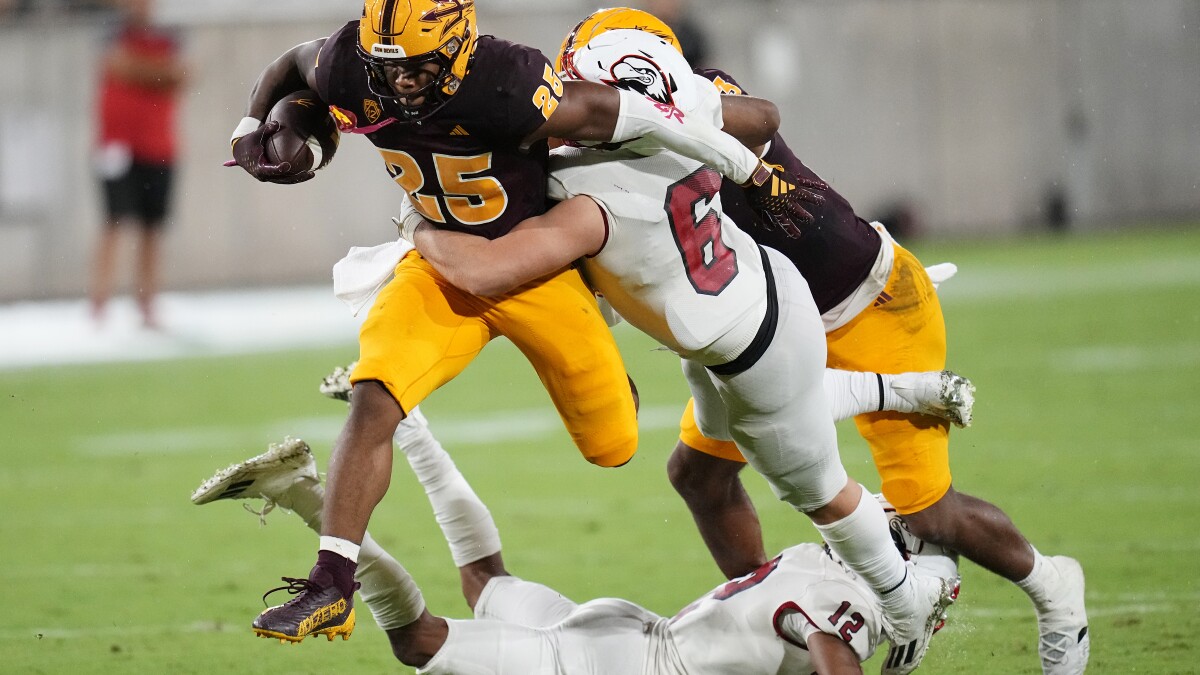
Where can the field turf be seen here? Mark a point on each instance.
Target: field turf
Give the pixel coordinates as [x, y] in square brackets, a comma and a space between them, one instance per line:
[1085, 350]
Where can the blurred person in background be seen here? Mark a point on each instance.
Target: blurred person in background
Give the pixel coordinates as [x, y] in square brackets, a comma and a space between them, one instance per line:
[692, 36]
[141, 76]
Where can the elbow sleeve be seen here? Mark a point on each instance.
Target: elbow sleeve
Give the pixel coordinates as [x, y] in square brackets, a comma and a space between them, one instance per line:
[640, 116]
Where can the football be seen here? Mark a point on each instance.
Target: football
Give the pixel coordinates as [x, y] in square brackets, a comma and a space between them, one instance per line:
[307, 137]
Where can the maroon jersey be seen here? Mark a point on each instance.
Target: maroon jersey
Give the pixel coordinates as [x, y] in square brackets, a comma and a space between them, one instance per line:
[463, 167]
[835, 253]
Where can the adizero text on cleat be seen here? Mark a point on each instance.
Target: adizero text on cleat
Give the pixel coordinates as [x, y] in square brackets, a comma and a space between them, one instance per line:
[315, 610]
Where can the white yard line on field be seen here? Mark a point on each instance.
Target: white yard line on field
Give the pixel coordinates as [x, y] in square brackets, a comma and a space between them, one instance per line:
[481, 429]
[249, 321]
[1125, 358]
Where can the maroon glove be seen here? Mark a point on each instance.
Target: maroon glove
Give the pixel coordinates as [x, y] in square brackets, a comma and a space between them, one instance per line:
[776, 196]
[250, 153]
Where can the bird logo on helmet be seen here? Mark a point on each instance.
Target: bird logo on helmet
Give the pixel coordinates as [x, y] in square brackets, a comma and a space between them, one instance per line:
[638, 73]
[409, 34]
[644, 62]
[602, 21]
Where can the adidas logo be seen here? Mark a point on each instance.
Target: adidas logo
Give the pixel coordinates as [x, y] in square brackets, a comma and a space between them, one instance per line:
[458, 131]
[883, 299]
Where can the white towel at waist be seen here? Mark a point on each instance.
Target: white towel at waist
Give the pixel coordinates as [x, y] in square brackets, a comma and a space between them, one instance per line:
[358, 277]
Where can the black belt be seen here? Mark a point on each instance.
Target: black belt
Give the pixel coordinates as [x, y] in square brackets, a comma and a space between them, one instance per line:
[766, 330]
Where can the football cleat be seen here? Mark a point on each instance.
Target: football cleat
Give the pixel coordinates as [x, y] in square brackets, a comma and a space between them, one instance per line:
[316, 610]
[1063, 642]
[911, 630]
[336, 385]
[944, 394]
[267, 476]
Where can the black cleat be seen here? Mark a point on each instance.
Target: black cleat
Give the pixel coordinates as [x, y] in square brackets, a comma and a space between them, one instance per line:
[315, 610]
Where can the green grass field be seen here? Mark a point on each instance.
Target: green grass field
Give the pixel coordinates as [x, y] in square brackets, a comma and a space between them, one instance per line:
[1084, 350]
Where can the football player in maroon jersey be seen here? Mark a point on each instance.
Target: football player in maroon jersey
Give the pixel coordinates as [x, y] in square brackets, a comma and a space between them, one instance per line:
[461, 121]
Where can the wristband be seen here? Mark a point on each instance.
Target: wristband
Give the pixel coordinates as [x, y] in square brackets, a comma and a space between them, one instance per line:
[244, 127]
[760, 175]
[408, 221]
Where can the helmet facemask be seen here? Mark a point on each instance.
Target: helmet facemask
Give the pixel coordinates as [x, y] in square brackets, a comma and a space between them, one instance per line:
[434, 94]
[408, 35]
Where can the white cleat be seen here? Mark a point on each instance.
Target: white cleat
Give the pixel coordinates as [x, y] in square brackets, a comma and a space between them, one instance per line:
[267, 476]
[1063, 641]
[336, 385]
[944, 394]
[911, 629]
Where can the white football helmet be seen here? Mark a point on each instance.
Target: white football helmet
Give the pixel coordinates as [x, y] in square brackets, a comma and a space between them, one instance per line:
[649, 64]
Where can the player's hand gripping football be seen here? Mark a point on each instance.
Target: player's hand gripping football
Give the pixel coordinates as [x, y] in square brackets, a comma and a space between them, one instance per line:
[250, 153]
[777, 196]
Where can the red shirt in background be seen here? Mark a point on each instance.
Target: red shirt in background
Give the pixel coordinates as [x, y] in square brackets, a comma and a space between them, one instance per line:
[141, 114]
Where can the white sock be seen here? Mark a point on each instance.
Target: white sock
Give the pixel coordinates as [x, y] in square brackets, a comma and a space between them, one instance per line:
[864, 544]
[388, 589]
[465, 521]
[343, 547]
[304, 498]
[1042, 581]
[853, 393]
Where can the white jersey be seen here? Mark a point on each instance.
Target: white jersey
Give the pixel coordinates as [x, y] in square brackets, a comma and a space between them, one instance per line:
[756, 625]
[673, 265]
[740, 627]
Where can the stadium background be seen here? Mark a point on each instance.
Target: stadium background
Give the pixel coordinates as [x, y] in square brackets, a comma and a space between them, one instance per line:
[983, 117]
[979, 118]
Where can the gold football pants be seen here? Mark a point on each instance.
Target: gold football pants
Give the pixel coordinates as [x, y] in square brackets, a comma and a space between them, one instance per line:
[422, 332]
[902, 331]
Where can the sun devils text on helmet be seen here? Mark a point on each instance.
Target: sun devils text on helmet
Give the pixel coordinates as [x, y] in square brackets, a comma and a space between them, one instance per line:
[409, 34]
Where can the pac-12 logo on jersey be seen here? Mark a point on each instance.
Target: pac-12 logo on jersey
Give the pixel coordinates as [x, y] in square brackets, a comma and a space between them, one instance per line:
[372, 109]
[640, 74]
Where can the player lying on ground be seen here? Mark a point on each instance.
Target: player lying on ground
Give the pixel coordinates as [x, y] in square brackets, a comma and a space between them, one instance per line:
[881, 314]
[801, 612]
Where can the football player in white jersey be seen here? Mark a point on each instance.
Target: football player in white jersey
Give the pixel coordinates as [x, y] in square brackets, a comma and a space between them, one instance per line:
[802, 612]
[647, 229]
